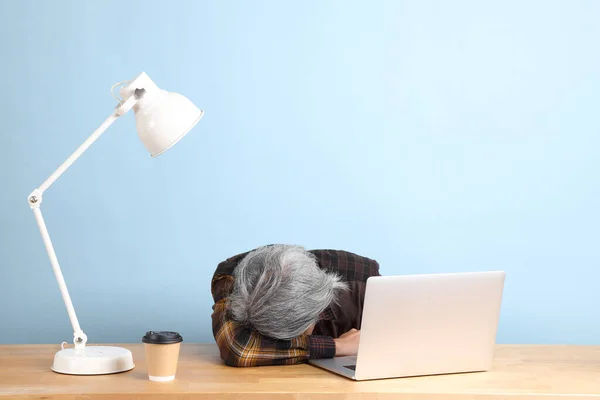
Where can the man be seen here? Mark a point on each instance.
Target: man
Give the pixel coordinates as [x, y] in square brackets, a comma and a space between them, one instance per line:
[281, 304]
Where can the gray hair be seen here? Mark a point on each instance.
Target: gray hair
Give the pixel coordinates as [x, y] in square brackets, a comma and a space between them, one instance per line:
[280, 290]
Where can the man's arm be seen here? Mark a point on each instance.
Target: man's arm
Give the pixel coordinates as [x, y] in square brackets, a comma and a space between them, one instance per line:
[347, 343]
[241, 346]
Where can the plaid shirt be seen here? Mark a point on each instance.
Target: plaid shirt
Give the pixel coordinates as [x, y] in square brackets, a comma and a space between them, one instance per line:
[242, 346]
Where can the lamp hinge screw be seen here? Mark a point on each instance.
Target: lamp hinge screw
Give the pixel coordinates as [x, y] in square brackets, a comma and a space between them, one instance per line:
[33, 199]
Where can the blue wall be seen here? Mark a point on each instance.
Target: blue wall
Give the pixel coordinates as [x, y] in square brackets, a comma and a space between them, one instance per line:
[432, 136]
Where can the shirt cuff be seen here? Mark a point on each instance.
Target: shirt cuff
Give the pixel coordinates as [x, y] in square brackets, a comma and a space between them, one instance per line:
[321, 347]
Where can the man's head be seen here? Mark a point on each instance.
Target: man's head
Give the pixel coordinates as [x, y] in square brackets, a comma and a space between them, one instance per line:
[280, 291]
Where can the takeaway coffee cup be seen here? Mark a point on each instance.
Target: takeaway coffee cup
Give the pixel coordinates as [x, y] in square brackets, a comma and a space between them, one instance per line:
[162, 353]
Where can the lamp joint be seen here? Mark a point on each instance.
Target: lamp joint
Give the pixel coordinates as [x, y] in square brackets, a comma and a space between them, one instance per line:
[35, 199]
[79, 340]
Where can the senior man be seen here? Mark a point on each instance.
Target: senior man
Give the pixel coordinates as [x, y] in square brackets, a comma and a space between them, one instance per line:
[281, 304]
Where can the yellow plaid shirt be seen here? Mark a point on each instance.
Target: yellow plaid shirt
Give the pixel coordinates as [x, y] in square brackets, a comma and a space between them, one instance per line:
[242, 346]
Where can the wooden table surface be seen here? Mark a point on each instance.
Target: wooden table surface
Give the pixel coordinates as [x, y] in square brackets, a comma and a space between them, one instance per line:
[519, 372]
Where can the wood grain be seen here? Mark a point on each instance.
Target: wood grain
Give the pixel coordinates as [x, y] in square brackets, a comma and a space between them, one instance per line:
[519, 372]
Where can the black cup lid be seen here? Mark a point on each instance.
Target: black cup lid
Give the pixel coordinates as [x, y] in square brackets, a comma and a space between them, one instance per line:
[162, 337]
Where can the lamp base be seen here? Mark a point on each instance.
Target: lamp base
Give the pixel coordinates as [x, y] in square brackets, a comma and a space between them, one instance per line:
[93, 360]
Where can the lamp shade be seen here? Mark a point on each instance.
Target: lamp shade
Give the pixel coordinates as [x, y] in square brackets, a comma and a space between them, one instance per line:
[162, 118]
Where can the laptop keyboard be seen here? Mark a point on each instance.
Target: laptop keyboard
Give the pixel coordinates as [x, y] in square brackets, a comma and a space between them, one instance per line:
[352, 367]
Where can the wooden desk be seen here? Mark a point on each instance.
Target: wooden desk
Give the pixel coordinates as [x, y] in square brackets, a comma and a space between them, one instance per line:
[520, 372]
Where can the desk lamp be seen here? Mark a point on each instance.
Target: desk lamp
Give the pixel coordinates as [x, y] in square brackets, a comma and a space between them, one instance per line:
[162, 119]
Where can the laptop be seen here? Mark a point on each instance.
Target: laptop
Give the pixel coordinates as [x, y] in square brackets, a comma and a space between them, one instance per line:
[430, 324]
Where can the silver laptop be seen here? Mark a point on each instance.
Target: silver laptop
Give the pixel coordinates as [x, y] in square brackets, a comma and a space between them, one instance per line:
[425, 325]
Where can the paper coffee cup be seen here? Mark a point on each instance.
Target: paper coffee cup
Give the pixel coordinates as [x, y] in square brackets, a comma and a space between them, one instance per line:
[162, 354]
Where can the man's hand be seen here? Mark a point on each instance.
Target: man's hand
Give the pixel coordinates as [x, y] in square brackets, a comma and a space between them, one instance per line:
[347, 344]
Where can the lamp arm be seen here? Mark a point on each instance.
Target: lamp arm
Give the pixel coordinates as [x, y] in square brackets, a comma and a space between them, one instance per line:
[120, 110]
[35, 199]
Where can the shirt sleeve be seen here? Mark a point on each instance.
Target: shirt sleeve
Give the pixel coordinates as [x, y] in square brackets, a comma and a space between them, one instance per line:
[321, 347]
[242, 346]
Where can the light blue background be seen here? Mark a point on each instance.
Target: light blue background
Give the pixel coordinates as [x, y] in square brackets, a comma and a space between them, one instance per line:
[431, 136]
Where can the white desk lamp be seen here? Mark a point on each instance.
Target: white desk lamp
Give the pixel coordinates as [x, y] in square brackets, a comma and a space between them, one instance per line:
[162, 119]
